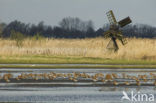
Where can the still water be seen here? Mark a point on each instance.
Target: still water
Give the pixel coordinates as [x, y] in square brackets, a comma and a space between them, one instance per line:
[70, 94]
[15, 92]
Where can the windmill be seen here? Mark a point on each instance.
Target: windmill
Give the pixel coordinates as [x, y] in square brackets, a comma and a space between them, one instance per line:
[114, 31]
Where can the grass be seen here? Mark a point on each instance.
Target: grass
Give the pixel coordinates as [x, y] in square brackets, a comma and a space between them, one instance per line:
[80, 66]
[72, 59]
[137, 51]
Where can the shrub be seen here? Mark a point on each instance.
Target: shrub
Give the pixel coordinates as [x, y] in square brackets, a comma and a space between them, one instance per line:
[38, 36]
[18, 37]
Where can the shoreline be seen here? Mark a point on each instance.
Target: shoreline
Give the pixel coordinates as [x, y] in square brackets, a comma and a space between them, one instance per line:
[77, 66]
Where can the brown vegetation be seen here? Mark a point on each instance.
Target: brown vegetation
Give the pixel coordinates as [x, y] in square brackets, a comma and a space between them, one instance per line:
[96, 47]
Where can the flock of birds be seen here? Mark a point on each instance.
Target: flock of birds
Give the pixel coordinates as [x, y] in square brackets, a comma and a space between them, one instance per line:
[75, 77]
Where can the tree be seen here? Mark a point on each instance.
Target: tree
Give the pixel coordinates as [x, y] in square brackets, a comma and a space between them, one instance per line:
[18, 37]
[73, 24]
[2, 26]
[99, 32]
[70, 27]
[15, 26]
[76, 28]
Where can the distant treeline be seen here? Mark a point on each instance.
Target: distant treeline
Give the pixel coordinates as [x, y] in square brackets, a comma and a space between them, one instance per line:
[72, 28]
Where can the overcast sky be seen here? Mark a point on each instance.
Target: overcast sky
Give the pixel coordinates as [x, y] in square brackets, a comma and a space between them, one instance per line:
[52, 11]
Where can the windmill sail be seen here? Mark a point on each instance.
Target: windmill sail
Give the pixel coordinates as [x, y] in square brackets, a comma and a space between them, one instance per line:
[124, 22]
[111, 17]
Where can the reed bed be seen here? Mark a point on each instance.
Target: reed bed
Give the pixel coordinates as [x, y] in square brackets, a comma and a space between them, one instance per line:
[136, 48]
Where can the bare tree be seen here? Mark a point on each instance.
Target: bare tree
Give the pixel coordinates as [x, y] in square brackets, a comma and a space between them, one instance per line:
[73, 24]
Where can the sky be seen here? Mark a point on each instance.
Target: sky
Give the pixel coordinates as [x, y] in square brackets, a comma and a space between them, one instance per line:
[53, 11]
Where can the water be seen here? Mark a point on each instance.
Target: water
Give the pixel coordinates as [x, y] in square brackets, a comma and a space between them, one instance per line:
[69, 94]
[75, 93]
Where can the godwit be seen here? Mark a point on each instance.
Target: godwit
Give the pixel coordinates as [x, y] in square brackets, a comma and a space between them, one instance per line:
[115, 83]
[127, 83]
[114, 75]
[155, 82]
[108, 77]
[138, 83]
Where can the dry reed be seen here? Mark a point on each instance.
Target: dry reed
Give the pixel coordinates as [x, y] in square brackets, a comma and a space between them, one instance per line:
[95, 47]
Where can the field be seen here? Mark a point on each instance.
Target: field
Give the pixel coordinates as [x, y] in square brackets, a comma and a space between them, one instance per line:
[76, 51]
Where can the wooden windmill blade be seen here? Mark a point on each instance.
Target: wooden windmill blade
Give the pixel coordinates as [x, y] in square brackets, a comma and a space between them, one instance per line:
[111, 17]
[124, 22]
[121, 38]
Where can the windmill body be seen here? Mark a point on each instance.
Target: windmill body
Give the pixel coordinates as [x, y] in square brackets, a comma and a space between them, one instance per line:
[114, 31]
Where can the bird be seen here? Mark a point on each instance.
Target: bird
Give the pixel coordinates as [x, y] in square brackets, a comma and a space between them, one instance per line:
[7, 80]
[123, 75]
[102, 80]
[69, 74]
[138, 83]
[65, 75]
[114, 75]
[108, 77]
[75, 79]
[70, 78]
[127, 83]
[115, 83]
[155, 83]
[0, 77]
[94, 78]
[36, 78]
[100, 75]
[17, 78]
[151, 74]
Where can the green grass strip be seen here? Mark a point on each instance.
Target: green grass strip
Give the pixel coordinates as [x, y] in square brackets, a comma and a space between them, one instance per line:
[69, 60]
[80, 66]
